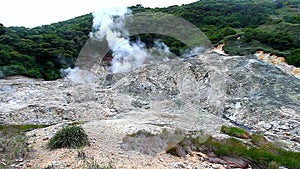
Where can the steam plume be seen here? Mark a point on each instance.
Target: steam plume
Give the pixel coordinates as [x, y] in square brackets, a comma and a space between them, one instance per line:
[77, 75]
[126, 55]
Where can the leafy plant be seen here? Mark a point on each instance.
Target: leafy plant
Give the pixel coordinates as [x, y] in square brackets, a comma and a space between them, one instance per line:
[69, 137]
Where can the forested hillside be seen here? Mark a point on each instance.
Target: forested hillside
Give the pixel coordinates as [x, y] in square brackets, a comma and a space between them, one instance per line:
[42, 51]
[243, 25]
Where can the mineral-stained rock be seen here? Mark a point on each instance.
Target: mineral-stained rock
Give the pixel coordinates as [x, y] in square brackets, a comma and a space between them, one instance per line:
[260, 94]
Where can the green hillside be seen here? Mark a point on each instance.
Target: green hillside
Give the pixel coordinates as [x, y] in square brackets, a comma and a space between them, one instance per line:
[42, 51]
[243, 25]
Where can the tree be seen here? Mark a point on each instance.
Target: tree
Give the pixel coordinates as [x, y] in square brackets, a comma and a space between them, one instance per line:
[2, 29]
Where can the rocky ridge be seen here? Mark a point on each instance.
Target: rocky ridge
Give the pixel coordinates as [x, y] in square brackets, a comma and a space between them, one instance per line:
[197, 94]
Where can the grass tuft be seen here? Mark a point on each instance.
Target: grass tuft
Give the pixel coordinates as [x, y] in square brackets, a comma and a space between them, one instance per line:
[260, 155]
[235, 132]
[7, 129]
[13, 144]
[259, 139]
[69, 137]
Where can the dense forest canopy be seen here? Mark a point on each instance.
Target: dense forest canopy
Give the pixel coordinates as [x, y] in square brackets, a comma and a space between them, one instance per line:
[243, 25]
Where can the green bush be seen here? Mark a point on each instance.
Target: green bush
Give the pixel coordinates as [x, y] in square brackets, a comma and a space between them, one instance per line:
[293, 57]
[69, 137]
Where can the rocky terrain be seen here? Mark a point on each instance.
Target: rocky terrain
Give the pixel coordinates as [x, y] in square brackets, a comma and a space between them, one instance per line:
[197, 94]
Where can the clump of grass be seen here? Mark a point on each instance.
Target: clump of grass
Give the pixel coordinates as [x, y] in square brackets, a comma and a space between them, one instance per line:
[261, 155]
[273, 165]
[235, 132]
[259, 139]
[69, 137]
[141, 134]
[13, 144]
[149, 143]
[8, 129]
[94, 165]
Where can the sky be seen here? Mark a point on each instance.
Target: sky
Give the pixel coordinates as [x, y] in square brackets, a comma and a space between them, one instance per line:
[31, 13]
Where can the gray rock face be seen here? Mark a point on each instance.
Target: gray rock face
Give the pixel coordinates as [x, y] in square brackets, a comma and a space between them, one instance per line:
[31, 101]
[194, 83]
[201, 93]
[263, 98]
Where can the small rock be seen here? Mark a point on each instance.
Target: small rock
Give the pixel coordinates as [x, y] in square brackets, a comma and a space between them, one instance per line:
[186, 162]
[20, 160]
[177, 165]
[28, 165]
[147, 107]
[284, 127]
[55, 163]
[3, 163]
[46, 138]
[265, 125]
[282, 167]
[139, 103]
[297, 139]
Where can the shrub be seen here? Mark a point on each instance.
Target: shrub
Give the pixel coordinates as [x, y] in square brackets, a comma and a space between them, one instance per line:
[69, 137]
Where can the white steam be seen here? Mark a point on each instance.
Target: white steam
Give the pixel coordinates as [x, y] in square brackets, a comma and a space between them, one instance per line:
[193, 52]
[126, 55]
[104, 18]
[108, 26]
[77, 75]
[163, 50]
